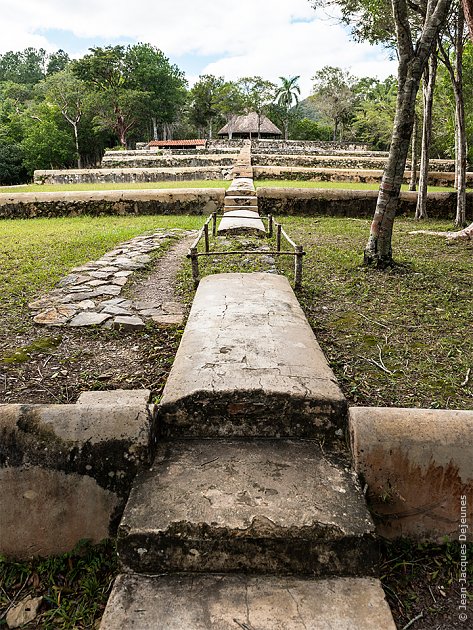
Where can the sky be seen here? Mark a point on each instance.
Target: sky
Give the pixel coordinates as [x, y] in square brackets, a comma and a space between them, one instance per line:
[229, 38]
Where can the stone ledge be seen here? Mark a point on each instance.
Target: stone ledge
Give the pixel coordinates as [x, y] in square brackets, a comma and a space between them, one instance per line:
[417, 464]
[221, 602]
[66, 470]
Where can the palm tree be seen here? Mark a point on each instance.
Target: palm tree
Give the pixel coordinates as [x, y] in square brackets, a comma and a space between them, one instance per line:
[286, 93]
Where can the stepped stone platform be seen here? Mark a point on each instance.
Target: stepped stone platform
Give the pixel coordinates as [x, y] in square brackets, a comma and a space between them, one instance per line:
[229, 602]
[249, 365]
[244, 220]
[276, 506]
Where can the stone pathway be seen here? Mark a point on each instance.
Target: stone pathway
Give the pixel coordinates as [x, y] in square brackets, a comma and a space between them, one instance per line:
[91, 294]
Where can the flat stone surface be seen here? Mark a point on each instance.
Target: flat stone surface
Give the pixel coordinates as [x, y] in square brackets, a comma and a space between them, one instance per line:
[241, 220]
[56, 316]
[170, 319]
[276, 506]
[128, 322]
[89, 318]
[249, 365]
[116, 310]
[232, 602]
[115, 397]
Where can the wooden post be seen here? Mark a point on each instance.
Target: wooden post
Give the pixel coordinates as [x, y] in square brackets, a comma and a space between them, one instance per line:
[206, 237]
[278, 237]
[195, 265]
[298, 266]
[270, 225]
[214, 226]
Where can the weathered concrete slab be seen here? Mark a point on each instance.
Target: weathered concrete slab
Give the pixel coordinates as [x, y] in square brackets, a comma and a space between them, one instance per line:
[66, 471]
[217, 602]
[249, 365]
[115, 397]
[257, 506]
[241, 220]
[242, 186]
[241, 200]
[418, 465]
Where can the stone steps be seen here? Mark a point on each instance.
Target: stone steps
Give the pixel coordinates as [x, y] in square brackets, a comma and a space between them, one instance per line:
[254, 506]
[241, 200]
[234, 602]
[249, 366]
[240, 221]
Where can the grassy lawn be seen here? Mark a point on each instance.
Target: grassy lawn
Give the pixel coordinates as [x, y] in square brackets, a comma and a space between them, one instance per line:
[207, 183]
[201, 183]
[36, 253]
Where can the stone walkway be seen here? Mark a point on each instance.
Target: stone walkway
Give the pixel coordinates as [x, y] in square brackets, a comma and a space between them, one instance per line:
[91, 294]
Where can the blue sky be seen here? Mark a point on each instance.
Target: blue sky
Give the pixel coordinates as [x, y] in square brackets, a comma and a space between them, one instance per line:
[270, 38]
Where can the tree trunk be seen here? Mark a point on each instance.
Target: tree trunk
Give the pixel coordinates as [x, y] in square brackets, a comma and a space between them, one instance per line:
[412, 62]
[413, 180]
[379, 249]
[461, 157]
[430, 76]
[155, 128]
[76, 138]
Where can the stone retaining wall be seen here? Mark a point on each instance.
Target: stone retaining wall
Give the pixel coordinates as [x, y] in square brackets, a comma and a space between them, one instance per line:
[301, 173]
[132, 175]
[349, 203]
[97, 203]
[279, 201]
[151, 159]
[361, 161]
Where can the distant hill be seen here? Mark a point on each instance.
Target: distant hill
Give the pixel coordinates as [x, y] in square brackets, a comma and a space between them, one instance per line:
[308, 110]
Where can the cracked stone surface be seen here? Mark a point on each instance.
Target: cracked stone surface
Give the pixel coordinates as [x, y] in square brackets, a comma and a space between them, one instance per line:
[278, 506]
[90, 294]
[230, 602]
[249, 365]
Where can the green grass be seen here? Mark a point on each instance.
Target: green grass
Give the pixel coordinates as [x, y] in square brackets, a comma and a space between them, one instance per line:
[74, 586]
[207, 183]
[285, 183]
[36, 253]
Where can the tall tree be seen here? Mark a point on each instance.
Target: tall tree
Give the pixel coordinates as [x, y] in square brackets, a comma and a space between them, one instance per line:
[334, 96]
[258, 94]
[204, 97]
[67, 92]
[287, 94]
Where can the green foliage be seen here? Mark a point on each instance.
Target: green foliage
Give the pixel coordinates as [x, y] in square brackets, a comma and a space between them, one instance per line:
[74, 586]
[12, 170]
[374, 111]
[306, 129]
[334, 97]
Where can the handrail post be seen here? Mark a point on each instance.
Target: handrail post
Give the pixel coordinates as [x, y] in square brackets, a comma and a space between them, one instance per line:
[195, 265]
[270, 225]
[206, 237]
[299, 253]
[278, 237]
[214, 225]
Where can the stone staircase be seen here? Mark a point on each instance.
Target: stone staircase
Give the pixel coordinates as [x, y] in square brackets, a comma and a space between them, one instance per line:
[251, 515]
[241, 203]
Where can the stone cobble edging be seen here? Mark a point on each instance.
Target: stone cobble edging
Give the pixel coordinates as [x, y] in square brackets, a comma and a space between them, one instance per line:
[90, 294]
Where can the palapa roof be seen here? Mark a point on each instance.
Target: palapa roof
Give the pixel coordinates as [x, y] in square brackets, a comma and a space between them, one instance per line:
[248, 123]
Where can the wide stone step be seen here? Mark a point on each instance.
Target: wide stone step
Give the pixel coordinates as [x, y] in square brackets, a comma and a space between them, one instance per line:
[249, 365]
[233, 602]
[241, 221]
[260, 506]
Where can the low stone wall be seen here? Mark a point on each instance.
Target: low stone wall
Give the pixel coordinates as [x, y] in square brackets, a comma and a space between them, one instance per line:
[97, 203]
[357, 162]
[301, 173]
[132, 175]
[290, 146]
[279, 201]
[151, 159]
[418, 470]
[349, 203]
[66, 470]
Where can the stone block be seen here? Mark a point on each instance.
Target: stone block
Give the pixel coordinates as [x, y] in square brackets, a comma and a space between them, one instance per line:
[418, 467]
[66, 470]
[249, 365]
[218, 602]
[259, 506]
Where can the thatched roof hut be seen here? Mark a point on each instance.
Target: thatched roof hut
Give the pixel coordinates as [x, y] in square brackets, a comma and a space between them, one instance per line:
[250, 126]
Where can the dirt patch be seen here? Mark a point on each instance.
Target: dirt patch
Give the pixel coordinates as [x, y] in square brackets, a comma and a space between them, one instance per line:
[54, 365]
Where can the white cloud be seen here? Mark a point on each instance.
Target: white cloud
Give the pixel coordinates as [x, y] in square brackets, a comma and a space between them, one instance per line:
[271, 38]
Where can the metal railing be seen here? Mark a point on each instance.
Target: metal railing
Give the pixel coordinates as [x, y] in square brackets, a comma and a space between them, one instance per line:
[194, 254]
